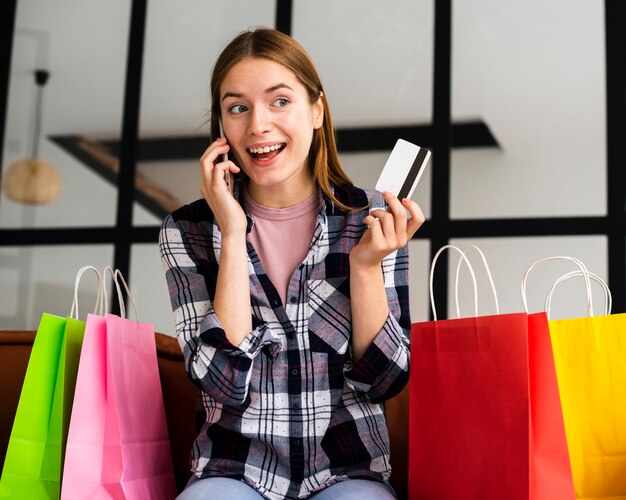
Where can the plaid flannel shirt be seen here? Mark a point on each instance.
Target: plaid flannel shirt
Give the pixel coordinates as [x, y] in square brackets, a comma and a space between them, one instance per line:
[288, 411]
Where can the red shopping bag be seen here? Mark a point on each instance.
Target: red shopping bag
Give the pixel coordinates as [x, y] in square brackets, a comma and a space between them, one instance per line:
[485, 419]
[118, 443]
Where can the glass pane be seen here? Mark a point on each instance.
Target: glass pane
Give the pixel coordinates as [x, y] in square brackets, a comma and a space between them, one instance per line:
[83, 46]
[182, 42]
[374, 58]
[149, 288]
[419, 269]
[182, 178]
[37, 280]
[534, 72]
[509, 258]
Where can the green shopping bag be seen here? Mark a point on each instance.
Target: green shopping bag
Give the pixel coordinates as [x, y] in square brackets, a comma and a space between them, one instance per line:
[34, 458]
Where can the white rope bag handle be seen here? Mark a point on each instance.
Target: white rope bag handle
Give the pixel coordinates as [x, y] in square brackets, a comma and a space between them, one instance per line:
[608, 298]
[432, 273]
[100, 306]
[108, 270]
[583, 270]
[488, 271]
[117, 277]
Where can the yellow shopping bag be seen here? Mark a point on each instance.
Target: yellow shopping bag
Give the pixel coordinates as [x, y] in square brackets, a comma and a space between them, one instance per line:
[590, 360]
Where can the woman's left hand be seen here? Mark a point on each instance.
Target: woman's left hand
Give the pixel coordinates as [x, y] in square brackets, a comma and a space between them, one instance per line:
[388, 230]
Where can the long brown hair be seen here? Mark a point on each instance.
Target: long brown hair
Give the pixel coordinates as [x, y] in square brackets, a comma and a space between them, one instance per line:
[323, 159]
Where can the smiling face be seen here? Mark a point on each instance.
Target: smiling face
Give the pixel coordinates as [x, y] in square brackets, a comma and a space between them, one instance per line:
[269, 122]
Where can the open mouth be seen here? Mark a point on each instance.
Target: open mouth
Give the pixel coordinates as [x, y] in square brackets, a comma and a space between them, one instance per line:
[266, 152]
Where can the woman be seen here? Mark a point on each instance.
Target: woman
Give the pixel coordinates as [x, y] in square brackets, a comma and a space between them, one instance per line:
[290, 295]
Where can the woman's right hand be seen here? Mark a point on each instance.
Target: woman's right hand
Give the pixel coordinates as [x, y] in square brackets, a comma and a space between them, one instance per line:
[228, 213]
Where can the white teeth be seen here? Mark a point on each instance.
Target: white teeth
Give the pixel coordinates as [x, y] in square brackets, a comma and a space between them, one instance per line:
[265, 149]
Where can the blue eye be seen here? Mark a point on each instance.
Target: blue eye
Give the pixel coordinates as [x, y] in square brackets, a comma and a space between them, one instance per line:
[237, 108]
[281, 102]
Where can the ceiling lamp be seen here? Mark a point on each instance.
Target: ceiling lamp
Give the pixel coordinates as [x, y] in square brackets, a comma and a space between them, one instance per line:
[31, 180]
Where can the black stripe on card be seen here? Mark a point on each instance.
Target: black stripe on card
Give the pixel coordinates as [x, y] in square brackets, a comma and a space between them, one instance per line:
[415, 169]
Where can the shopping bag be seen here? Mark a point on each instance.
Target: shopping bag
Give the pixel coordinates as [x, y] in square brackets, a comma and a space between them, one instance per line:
[93, 467]
[590, 359]
[34, 457]
[118, 445]
[484, 417]
[82, 470]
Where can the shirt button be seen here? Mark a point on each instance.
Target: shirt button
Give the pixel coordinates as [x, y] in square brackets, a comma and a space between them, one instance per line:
[296, 442]
[295, 371]
[293, 300]
[296, 406]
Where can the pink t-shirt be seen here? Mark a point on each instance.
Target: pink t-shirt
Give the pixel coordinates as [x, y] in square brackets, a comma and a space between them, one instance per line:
[282, 237]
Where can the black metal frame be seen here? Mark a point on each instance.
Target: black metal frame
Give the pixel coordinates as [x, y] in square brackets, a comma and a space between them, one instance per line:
[130, 137]
[443, 135]
[7, 27]
[615, 14]
[442, 139]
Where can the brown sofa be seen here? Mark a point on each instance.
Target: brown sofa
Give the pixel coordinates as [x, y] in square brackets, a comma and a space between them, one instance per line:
[179, 396]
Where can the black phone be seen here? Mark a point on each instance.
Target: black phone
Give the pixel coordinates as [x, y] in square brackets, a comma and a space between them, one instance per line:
[228, 176]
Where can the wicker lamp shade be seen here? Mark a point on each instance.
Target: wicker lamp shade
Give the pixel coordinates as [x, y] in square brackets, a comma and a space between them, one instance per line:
[32, 181]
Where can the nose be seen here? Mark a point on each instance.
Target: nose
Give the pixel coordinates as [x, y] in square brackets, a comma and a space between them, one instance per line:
[259, 121]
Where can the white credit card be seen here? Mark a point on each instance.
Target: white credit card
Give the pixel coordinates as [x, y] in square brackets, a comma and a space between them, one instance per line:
[403, 169]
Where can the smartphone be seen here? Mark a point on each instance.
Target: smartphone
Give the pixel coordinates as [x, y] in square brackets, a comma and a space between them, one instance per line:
[403, 169]
[228, 176]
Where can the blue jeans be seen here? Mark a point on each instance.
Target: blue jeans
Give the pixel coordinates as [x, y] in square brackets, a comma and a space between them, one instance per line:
[222, 488]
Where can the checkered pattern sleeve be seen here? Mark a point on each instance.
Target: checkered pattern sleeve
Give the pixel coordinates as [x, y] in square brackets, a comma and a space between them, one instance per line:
[214, 364]
[383, 370]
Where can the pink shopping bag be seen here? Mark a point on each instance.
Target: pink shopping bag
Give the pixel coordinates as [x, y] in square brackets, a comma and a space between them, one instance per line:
[82, 471]
[118, 444]
[139, 446]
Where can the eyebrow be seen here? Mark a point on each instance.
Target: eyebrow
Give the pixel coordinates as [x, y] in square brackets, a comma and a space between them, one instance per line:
[267, 91]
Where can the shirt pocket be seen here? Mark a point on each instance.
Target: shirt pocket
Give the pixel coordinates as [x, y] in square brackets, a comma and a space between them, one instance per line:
[329, 315]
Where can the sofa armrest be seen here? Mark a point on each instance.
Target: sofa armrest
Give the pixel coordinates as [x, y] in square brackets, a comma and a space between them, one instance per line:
[15, 347]
[180, 397]
[397, 413]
